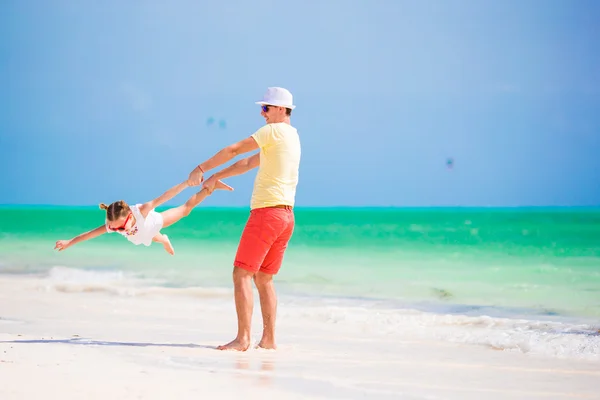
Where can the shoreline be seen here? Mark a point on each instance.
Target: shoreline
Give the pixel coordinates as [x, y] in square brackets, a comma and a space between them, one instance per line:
[117, 281]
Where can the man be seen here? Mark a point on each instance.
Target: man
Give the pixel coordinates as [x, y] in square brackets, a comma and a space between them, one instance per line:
[271, 222]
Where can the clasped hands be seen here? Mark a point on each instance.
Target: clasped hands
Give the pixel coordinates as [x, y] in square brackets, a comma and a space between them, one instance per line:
[196, 177]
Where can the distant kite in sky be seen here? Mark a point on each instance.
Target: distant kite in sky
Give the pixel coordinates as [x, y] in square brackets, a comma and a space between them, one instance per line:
[211, 121]
[450, 162]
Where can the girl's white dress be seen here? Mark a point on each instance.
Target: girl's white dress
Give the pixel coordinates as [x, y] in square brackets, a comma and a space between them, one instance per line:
[144, 229]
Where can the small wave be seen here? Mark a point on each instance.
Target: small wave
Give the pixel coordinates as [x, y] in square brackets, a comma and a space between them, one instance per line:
[535, 337]
[554, 339]
[10, 321]
[118, 283]
[21, 269]
[196, 292]
[66, 274]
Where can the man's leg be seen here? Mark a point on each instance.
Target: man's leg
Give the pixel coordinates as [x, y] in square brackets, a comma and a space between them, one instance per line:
[242, 287]
[264, 279]
[268, 308]
[255, 243]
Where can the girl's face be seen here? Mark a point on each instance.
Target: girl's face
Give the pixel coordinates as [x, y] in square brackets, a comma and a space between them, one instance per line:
[121, 224]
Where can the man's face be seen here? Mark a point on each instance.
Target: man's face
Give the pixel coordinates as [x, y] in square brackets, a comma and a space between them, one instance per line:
[270, 113]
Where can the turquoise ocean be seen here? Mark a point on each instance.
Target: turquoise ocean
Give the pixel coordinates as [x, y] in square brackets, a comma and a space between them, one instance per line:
[522, 264]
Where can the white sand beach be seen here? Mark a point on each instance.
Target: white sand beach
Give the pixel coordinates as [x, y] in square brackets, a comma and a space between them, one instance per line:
[65, 341]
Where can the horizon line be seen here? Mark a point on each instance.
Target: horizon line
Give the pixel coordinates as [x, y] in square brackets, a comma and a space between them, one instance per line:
[597, 206]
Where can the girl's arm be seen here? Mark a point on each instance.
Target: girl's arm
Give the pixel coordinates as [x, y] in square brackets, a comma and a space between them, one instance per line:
[166, 196]
[65, 244]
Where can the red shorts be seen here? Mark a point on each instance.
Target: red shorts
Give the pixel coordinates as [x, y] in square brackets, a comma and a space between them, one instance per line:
[265, 239]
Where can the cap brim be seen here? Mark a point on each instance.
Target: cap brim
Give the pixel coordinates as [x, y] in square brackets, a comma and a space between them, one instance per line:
[263, 103]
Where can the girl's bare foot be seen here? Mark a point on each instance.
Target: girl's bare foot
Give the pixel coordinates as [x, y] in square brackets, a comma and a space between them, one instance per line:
[168, 246]
[224, 186]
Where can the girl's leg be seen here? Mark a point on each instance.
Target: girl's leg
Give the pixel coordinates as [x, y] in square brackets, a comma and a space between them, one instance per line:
[175, 214]
[164, 240]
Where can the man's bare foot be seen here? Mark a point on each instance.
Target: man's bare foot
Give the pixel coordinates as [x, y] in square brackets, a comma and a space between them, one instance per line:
[168, 246]
[268, 344]
[224, 186]
[235, 344]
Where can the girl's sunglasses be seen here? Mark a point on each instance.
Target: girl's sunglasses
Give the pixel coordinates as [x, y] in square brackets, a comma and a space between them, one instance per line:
[122, 228]
[265, 108]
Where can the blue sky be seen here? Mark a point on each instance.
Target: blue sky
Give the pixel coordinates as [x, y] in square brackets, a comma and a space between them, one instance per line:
[111, 100]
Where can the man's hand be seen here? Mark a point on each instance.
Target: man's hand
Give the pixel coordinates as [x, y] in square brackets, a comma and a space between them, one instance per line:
[196, 177]
[210, 183]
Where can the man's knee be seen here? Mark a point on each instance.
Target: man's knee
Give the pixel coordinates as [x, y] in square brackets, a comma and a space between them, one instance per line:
[241, 274]
[261, 279]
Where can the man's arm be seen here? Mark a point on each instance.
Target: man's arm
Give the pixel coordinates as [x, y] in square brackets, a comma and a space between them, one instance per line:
[240, 167]
[228, 153]
[197, 175]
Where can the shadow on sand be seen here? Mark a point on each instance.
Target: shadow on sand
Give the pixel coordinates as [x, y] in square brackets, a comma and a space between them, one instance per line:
[87, 342]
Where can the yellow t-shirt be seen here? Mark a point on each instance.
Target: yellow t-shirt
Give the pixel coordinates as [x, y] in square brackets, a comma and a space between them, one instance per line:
[277, 176]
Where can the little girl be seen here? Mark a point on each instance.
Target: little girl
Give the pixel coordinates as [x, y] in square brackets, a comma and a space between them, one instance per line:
[140, 224]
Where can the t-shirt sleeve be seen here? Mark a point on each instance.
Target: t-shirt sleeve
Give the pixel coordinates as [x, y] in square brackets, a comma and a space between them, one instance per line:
[264, 136]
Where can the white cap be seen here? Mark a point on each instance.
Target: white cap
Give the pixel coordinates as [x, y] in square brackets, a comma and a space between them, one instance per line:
[277, 96]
